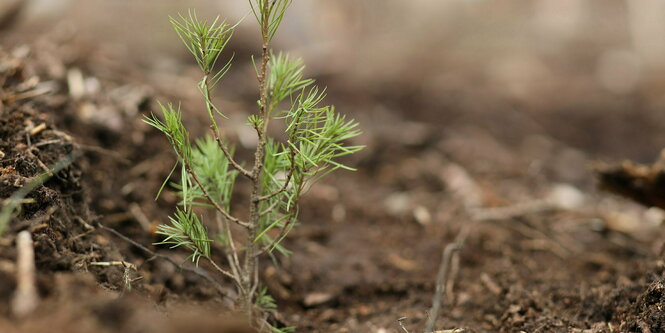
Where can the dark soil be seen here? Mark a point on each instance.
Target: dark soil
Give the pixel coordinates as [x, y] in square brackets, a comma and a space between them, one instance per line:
[369, 246]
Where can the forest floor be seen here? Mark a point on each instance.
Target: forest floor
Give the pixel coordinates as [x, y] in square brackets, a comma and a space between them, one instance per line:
[544, 250]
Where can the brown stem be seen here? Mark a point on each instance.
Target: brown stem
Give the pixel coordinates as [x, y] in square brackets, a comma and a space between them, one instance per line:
[232, 257]
[250, 266]
[228, 155]
[224, 272]
[219, 208]
[269, 209]
[211, 114]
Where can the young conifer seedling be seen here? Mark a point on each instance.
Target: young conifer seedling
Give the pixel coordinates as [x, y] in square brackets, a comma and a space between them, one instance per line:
[282, 169]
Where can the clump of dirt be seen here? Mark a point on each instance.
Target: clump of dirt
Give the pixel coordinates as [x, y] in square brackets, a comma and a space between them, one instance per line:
[56, 212]
[642, 183]
[83, 279]
[646, 314]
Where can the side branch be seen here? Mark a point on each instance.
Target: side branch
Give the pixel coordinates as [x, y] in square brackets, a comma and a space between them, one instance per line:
[269, 209]
[225, 272]
[280, 190]
[215, 130]
[222, 291]
[285, 230]
[229, 157]
[219, 208]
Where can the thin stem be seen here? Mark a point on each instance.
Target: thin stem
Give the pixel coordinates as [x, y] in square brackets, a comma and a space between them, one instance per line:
[219, 208]
[250, 261]
[228, 155]
[224, 272]
[197, 272]
[269, 209]
[211, 114]
[442, 276]
[233, 256]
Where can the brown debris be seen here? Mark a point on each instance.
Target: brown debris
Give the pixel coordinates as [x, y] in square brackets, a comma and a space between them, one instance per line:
[644, 184]
[26, 298]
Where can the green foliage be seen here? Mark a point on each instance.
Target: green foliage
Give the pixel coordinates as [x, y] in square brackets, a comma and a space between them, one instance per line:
[214, 172]
[317, 134]
[204, 40]
[279, 209]
[264, 301]
[285, 78]
[173, 128]
[186, 230]
[270, 12]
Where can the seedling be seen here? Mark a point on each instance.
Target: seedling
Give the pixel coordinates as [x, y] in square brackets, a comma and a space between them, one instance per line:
[281, 170]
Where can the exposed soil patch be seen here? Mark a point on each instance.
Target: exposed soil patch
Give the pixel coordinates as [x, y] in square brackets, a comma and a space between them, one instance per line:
[368, 248]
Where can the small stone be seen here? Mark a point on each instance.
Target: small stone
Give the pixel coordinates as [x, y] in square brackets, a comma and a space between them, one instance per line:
[397, 203]
[566, 197]
[422, 215]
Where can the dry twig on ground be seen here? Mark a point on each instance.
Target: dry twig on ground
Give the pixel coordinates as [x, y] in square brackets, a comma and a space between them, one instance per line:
[444, 275]
[26, 297]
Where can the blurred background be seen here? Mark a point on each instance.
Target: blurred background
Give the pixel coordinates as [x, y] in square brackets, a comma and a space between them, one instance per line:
[463, 103]
[587, 73]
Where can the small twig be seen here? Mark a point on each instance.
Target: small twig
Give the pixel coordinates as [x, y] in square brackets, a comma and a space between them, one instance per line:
[400, 322]
[512, 211]
[443, 275]
[113, 263]
[223, 271]
[41, 164]
[232, 258]
[269, 209]
[85, 224]
[281, 189]
[229, 157]
[219, 208]
[24, 201]
[490, 284]
[46, 143]
[127, 268]
[220, 289]
[26, 298]
[41, 127]
[33, 93]
[450, 282]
